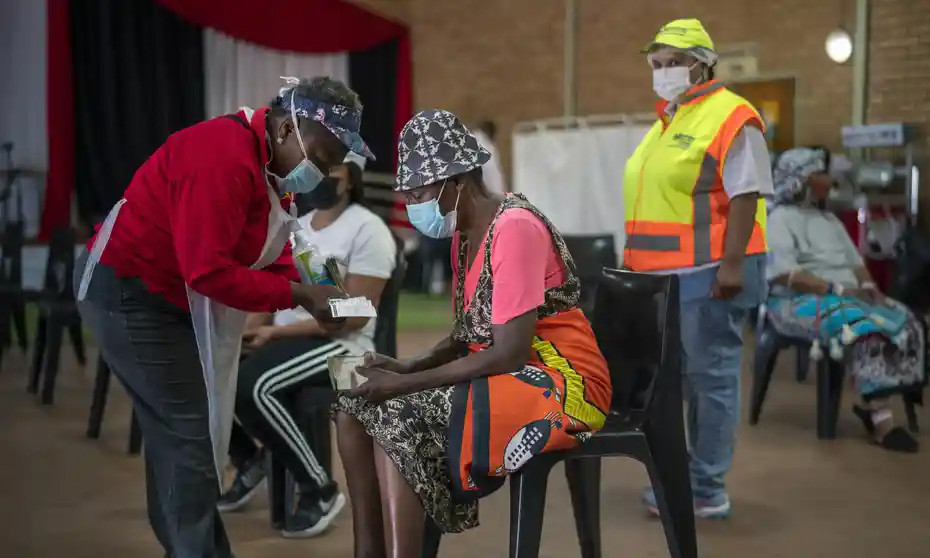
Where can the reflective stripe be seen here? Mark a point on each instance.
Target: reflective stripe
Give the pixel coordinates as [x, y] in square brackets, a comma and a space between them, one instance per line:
[653, 242]
[701, 217]
[700, 92]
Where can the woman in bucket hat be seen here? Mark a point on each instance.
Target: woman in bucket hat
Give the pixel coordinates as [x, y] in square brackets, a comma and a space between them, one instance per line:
[416, 437]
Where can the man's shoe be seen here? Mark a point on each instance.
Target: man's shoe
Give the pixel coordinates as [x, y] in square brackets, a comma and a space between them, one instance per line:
[714, 508]
[248, 480]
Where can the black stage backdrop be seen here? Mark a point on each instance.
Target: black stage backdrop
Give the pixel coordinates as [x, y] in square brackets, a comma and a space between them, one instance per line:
[372, 74]
[138, 77]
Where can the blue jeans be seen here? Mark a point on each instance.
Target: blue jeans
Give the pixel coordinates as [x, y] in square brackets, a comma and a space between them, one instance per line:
[712, 345]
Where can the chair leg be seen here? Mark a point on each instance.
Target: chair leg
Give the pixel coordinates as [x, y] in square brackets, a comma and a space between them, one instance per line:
[99, 401]
[528, 506]
[275, 472]
[76, 332]
[38, 355]
[802, 362]
[320, 438]
[54, 334]
[829, 393]
[767, 347]
[19, 322]
[910, 401]
[667, 464]
[431, 539]
[584, 484]
[135, 435]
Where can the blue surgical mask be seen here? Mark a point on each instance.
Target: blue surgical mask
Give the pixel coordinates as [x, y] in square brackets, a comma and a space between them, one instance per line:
[426, 217]
[305, 177]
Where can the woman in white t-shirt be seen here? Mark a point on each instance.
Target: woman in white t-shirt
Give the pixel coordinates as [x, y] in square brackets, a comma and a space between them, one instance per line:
[289, 352]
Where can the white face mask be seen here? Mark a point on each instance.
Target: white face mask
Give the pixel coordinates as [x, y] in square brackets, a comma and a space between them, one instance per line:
[670, 83]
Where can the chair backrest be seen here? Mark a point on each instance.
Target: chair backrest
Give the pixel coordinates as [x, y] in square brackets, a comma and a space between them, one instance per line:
[60, 264]
[386, 326]
[11, 262]
[637, 327]
[591, 254]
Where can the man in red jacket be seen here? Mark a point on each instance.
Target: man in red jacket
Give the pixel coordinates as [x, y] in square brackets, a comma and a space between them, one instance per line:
[199, 239]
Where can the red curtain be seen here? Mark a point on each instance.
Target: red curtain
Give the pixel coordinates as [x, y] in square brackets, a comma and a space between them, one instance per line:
[60, 113]
[310, 26]
[297, 25]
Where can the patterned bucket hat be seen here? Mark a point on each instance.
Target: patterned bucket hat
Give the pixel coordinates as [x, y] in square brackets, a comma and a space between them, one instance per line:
[434, 145]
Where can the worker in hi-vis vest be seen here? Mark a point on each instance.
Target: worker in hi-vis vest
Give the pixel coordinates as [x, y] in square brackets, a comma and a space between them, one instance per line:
[693, 193]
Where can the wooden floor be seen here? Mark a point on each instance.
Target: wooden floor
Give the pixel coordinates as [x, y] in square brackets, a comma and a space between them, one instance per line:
[62, 495]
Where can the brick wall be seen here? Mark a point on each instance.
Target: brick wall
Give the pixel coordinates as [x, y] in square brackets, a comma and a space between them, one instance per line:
[503, 59]
[899, 74]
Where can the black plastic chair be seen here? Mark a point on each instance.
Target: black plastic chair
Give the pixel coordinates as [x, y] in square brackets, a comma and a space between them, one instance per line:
[98, 406]
[57, 311]
[830, 375]
[636, 322]
[12, 294]
[313, 405]
[591, 254]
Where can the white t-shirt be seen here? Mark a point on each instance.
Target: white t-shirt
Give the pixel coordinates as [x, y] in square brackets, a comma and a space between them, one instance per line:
[363, 245]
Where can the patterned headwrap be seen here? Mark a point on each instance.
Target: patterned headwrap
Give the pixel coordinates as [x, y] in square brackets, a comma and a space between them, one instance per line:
[434, 145]
[792, 170]
[344, 122]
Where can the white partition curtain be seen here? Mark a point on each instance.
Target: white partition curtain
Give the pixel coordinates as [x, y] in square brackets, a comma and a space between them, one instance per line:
[575, 175]
[23, 103]
[238, 73]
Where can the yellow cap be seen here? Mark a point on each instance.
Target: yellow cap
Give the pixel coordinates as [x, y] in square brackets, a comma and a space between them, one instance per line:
[685, 34]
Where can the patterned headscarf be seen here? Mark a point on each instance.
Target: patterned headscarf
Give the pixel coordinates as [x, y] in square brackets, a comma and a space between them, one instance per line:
[344, 122]
[792, 169]
[434, 145]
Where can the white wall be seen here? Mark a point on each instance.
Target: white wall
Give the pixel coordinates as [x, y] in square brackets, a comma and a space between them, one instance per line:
[22, 94]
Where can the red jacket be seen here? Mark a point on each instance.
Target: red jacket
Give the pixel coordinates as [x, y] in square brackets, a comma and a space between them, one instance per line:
[196, 213]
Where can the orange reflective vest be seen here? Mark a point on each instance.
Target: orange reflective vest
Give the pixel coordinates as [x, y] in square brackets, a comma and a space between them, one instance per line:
[675, 204]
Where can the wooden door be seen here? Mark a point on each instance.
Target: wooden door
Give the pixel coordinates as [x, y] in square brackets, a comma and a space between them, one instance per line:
[774, 99]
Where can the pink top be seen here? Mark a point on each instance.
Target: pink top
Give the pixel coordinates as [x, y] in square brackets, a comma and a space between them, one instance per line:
[524, 264]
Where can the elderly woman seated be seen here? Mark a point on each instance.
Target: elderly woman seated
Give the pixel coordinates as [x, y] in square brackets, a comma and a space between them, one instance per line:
[822, 291]
[520, 374]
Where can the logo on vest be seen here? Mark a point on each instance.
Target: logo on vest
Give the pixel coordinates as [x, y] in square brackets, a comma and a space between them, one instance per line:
[682, 141]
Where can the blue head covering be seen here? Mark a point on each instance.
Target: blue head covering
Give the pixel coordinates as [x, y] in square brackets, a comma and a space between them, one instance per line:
[792, 169]
[344, 122]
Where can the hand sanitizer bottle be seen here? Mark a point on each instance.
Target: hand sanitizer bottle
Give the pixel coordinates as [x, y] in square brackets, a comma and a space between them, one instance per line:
[310, 263]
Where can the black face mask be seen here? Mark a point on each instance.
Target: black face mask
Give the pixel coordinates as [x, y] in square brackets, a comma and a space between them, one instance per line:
[324, 196]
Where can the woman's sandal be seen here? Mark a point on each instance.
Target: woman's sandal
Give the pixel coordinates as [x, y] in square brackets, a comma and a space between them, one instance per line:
[897, 439]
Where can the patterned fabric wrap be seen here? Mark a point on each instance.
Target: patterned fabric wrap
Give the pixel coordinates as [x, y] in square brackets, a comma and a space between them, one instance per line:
[884, 346]
[434, 145]
[792, 171]
[474, 326]
[344, 122]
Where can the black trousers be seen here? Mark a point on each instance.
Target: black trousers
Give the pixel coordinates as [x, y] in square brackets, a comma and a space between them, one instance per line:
[150, 346]
[269, 379]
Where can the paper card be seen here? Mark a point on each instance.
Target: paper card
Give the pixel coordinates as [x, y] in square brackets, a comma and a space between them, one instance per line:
[357, 307]
[342, 372]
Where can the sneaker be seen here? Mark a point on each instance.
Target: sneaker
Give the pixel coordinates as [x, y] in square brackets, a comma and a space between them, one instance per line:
[248, 479]
[718, 508]
[314, 517]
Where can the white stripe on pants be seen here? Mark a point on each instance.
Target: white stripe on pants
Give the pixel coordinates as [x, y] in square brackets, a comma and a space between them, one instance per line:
[293, 371]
